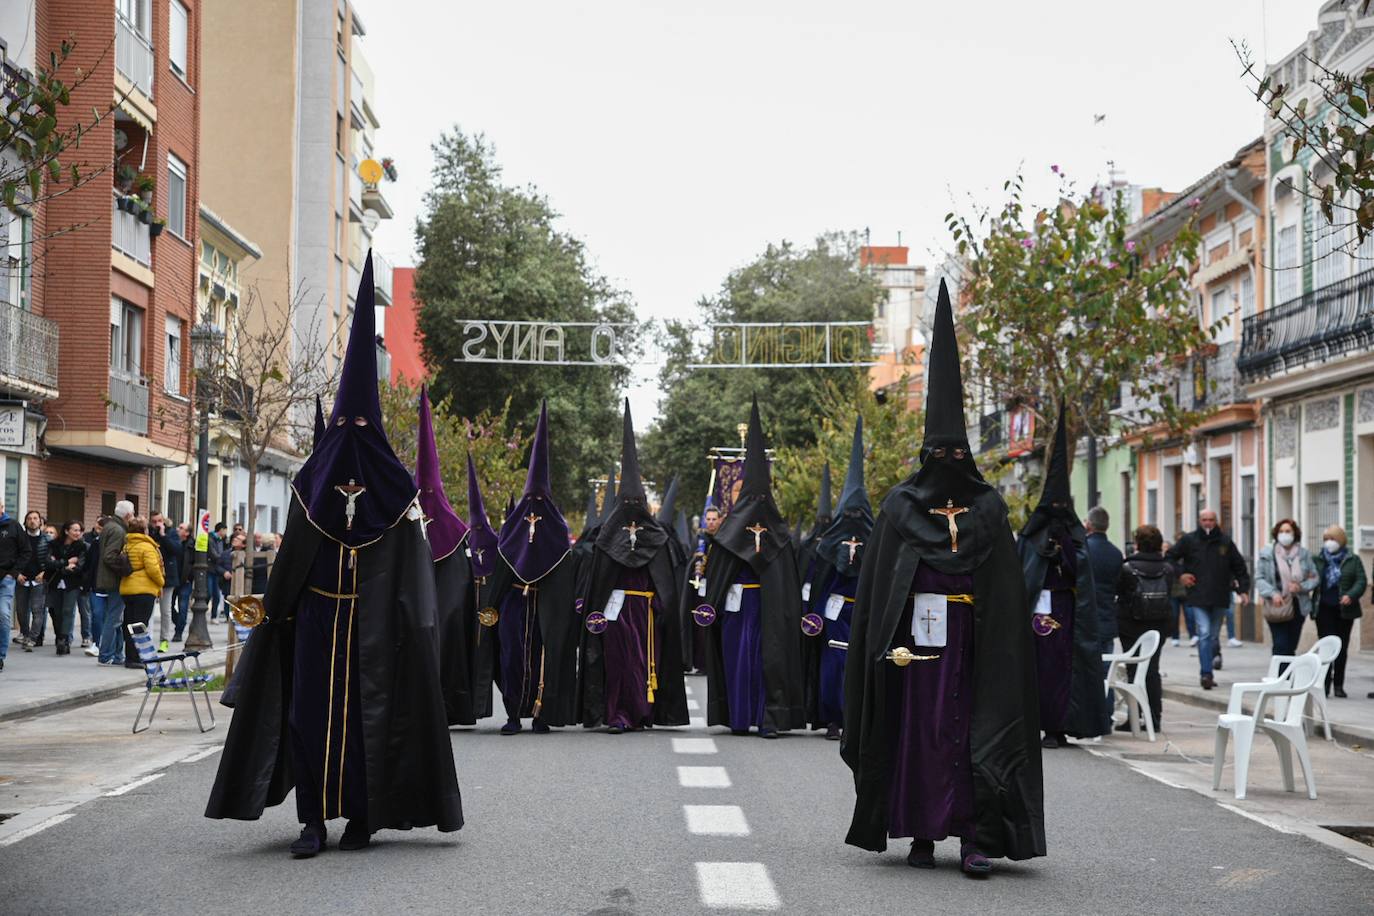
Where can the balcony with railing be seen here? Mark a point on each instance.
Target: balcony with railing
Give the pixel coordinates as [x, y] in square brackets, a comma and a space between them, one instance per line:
[28, 351]
[134, 55]
[1211, 379]
[381, 278]
[128, 402]
[1333, 321]
[131, 236]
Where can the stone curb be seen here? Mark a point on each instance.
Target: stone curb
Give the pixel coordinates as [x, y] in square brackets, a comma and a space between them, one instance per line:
[1217, 699]
[87, 697]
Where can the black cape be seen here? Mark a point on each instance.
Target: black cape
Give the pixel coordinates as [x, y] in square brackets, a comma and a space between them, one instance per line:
[1087, 700]
[1005, 730]
[558, 623]
[457, 625]
[411, 780]
[670, 699]
[780, 616]
[485, 596]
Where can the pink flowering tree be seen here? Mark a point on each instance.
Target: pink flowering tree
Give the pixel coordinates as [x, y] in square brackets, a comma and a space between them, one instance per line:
[1058, 306]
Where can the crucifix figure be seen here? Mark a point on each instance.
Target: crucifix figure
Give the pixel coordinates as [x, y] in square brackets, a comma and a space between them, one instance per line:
[758, 531]
[853, 544]
[634, 532]
[533, 520]
[949, 512]
[477, 552]
[929, 618]
[351, 491]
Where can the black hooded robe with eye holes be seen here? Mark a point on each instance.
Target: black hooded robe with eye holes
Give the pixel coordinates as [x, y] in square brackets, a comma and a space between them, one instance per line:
[753, 654]
[947, 745]
[338, 689]
[630, 671]
[488, 578]
[1054, 560]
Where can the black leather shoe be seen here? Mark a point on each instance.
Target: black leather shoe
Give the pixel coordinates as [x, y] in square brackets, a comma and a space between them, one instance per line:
[310, 842]
[922, 854]
[1339, 692]
[832, 733]
[355, 836]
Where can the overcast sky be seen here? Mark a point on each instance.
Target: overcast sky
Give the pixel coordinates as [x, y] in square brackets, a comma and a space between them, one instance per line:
[678, 139]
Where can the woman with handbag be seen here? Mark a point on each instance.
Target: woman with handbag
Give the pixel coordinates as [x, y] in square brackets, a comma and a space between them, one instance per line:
[141, 588]
[1284, 579]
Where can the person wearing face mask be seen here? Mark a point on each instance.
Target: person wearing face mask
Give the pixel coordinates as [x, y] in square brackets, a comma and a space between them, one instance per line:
[1285, 577]
[1338, 599]
[1212, 568]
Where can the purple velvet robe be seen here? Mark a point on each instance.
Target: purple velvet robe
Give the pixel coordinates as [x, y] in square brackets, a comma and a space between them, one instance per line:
[522, 652]
[932, 781]
[741, 643]
[625, 650]
[1054, 646]
[325, 717]
[831, 700]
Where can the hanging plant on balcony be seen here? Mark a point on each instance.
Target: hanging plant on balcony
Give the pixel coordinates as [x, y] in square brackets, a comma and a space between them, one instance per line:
[125, 204]
[145, 216]
[144, 185]
[389, 168]
[156, 226]
[125, 177]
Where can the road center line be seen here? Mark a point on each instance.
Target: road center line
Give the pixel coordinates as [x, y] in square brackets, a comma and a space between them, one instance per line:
[703, 778]
[736, 886]
[129, 787]
[201, 755]
[694, 745]
[716, 820]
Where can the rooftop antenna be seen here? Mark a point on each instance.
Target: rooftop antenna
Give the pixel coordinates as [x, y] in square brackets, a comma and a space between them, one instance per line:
[899, 238]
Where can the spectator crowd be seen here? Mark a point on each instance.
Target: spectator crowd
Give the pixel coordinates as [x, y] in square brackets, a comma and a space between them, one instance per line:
[92, 583]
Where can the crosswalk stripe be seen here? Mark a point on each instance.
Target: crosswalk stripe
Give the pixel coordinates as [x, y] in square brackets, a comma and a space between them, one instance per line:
[736, 886]
[703, 778]
[694, 746]
[716, 820]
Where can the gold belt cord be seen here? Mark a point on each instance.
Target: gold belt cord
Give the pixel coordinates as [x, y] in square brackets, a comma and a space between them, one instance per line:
[653, 669]
[539, 697]
[348, 661]
[329, 722]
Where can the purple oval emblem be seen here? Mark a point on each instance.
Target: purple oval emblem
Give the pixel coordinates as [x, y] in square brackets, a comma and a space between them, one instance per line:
[1043, 624]
[812, 624]
[597, 623]
[577, 605]
[704, 615]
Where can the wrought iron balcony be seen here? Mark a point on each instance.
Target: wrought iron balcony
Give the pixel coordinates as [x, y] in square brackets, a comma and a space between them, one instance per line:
[1212, 380]
[134, 55]
[28, 349]
[128, 402]
[1330, 322]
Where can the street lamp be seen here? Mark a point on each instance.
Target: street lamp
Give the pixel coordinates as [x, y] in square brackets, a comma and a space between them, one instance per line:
[206, 339]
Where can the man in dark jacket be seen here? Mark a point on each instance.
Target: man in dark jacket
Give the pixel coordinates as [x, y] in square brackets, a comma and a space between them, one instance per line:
[1105, 561]
[107, 576]
[14, 556]
[1211, 569]
[92, 617]
[30, 597]
[217, 565]
[187, 567]
[164, 531]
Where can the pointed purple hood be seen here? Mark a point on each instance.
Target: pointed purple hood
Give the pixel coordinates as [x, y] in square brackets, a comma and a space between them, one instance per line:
[482, 549]
[353, 465]
[534, 538]
[443, 527]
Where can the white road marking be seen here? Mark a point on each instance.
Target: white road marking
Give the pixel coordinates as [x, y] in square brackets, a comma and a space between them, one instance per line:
[697, 721]
[1255, 817]
[716, 820]
[201, 755]
[736, 886]
[1360, 862]
[703, 778]
[129, 787]
[30, 831]
[693, 706]
[689, 690]
[694, 745]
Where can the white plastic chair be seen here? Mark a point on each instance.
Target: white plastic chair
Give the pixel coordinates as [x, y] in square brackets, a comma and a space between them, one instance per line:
[1132, 690]
[1326, 649]
[1286, 731]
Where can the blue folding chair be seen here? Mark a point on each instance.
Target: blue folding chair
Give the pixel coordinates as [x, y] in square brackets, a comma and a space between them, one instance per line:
[189, 681]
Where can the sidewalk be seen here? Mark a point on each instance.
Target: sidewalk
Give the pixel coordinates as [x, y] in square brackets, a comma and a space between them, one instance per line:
[40, 682]
[1352, 720]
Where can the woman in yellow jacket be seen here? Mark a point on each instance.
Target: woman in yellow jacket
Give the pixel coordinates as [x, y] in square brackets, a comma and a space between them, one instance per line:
[140, 588]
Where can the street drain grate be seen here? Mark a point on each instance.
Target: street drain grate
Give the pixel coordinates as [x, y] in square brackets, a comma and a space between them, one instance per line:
[1363, 835]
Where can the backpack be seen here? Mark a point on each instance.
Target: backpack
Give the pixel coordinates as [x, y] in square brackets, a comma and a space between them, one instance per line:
[1151, 602]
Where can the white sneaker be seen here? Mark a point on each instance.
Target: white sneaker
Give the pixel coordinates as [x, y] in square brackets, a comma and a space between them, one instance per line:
[1192, 641]
[1234, 643]
[1175, 642]
[93, 651]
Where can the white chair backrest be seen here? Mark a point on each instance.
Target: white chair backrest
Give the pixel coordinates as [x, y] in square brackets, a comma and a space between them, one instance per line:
[1299, 678]
[1147, 645]
[1326, 649]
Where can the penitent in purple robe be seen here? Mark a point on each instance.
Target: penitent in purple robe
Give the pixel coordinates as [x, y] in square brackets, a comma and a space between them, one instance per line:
[741, 643]
[326, 701]
[625, 649]
[831, 705]
[1054, 645]
[521, 647]
[932, 783]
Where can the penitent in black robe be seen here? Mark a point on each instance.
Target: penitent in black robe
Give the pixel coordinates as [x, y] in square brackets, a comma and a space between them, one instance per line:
[458, 626]
[406, 760]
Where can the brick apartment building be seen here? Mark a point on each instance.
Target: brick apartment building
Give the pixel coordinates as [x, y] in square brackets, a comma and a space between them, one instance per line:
[120, 290]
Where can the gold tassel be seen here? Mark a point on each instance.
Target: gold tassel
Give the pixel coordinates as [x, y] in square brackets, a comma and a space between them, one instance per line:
[653, 668]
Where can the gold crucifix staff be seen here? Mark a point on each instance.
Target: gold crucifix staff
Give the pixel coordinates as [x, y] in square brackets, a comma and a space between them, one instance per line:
[950, 511]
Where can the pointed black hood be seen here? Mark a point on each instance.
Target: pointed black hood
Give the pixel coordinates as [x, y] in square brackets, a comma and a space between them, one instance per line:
[319, 424]
[631, 536]
[482, 538]
[854, 517]
[755, 530]
[948, 480]
[608, 497]
[825, 511]
[591, 516]
[1055, 512]
[353, 466]
[534, 536]
[667, 510]
[681, 531]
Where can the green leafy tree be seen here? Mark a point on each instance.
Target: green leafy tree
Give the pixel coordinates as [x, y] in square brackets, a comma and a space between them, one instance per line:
[497, 445]
[702, 408]
[492, 251]
[1059, 306]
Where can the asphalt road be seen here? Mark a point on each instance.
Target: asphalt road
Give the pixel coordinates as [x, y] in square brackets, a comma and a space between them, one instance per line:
[578, 822]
